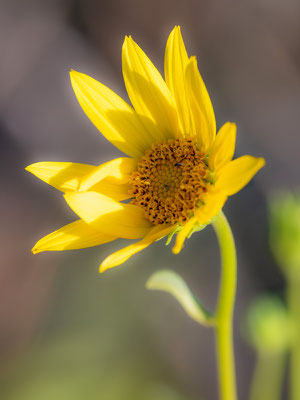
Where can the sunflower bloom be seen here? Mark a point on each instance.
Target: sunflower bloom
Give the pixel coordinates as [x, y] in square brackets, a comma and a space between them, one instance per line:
[177, 173]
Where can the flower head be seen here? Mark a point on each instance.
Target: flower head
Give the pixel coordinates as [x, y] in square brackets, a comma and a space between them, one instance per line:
[177, 174]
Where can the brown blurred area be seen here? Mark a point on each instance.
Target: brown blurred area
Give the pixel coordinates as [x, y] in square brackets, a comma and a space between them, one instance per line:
[66, 331]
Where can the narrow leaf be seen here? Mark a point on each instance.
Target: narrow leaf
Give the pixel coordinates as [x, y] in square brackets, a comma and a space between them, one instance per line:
[170, 282]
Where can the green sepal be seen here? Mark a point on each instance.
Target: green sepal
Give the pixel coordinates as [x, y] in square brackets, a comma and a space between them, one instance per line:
[170, 282]
[197, 229]
[171, 234]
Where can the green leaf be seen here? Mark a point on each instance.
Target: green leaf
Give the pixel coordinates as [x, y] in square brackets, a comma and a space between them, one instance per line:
[170, 282]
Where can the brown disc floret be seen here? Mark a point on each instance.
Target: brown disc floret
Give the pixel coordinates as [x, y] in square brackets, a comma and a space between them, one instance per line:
[171, 181]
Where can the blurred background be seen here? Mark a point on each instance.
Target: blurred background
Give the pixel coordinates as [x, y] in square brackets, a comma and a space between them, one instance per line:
[67, 332]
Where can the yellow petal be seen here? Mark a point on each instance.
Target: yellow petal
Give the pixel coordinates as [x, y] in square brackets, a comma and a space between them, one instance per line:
[148, 91]
[63, 176]
[214, 202]
[118, 170]
[109, 216]
[182, 234]
[222, 149]
[66, 176]
[176, 60]
[237, 173]
[124, 254]
[201, 107]
[76, 235]
[112, 178]
[115, 191]
[114, 118]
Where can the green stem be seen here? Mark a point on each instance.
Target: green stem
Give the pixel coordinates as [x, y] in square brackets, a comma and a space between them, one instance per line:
[268, 376]
[224, 315]
[293, 298]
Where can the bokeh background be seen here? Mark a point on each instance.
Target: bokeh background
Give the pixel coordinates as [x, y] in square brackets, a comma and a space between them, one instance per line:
[67, 332]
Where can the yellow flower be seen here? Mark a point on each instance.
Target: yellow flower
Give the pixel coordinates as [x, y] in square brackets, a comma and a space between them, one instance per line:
[178, 173]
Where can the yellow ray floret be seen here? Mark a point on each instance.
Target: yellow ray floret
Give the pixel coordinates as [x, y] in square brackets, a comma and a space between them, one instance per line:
[179, 172]
[176, 60]
[222, 149]
[76, 235]
[63, 176]
[124, 254]
[201, 107]
[237, 173]
[115, 119]
[109, 216]
[111, 178]
[118, 170]
[148, 91]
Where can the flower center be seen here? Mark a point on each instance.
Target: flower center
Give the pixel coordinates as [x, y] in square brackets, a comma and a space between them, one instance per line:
[171, 181]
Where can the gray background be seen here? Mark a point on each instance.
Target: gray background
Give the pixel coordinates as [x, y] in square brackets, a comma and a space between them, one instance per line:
[67, 332]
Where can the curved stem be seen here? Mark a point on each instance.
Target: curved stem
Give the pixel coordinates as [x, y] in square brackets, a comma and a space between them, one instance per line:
[224, 314]
[293, 297]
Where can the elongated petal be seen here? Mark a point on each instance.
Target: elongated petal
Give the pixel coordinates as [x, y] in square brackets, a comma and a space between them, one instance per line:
[114, 118]
[115, 191]
[176, 60]
[66, 176]
[236, 174]
[119, 170]
[214, 202]
[76, 235]
[109, 216]
[112, 178]
[222, 149]
[182, 234]
[148, 91]
[124, 254]
[62, 175]
[201, 107]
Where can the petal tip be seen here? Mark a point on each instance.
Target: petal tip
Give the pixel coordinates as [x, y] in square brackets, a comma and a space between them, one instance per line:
[192, 64]
[66, 195]
[176, 249]
[262, 161]
[75, 76]
[33, 168]
[193, 60]
[232, 124]
[72, 73]
[36, 250]
[103, 267]
[128, 38]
